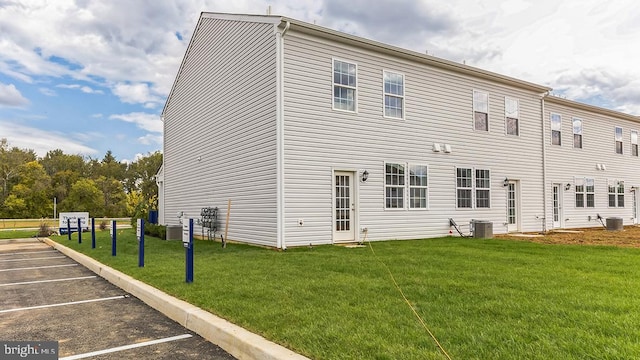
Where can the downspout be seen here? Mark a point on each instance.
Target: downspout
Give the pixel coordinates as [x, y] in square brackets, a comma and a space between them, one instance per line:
[544, 163]
[280, 215]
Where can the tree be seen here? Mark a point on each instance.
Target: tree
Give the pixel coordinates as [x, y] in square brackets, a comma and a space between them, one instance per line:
[56, 161]
[114, 196]
[10, 161]
[141, 176]
[84, 196]
[33, 191]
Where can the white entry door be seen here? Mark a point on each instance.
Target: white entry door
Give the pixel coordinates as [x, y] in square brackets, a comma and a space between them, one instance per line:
[344, 207]
[513, 206]
[557, 205]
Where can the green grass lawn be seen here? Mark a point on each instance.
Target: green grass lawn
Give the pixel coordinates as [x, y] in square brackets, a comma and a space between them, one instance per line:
[483, 299]
[17, 234]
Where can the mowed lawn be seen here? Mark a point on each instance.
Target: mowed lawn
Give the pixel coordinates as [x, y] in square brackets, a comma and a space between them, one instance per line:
[482, 299]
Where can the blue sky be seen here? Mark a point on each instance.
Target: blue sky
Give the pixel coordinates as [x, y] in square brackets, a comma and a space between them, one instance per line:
[88, 76]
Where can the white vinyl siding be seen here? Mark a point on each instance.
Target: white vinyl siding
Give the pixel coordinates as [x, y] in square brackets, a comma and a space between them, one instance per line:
[344, 85]
[210, 137]
[618, 140]
[512, 116]
[577, 133]
[393, 94]
[480, 110]
[556, 129]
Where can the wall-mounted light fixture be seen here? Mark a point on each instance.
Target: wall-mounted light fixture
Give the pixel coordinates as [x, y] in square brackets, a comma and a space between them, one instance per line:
[506, 182]
[568, 186]
[365, 176]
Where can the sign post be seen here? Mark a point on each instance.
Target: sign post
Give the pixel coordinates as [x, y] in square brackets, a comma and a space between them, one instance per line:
[140, 236]
[113, 237]
[69, 229]
[93, 233]
[187, 242]
[79, 231]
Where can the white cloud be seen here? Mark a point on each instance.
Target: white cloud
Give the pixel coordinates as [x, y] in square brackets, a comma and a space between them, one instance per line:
[42, 141]
[85, 89]
[145, 121]
[150, 139]
[139, 93]
[47, 91]
[10, 96]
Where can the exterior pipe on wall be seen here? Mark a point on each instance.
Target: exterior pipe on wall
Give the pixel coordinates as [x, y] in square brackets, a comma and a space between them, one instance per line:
[544, 163]
[280, 226]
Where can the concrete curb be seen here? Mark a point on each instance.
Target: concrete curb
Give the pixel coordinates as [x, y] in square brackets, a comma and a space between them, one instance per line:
[233, 339]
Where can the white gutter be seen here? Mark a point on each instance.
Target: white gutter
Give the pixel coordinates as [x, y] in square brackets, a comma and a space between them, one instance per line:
[280, 216]
[544, 162]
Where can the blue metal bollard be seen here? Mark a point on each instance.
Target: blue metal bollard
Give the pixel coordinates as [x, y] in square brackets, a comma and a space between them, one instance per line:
[140, 242]
[189, 252]
[93, 233]
[113, 238]
[69, 229]
[79, 231]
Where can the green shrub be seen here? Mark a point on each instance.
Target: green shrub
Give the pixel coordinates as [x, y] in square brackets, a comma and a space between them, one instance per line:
[44, 229]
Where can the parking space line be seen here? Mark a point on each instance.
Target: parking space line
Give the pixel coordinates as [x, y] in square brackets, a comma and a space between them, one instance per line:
[126, 347]
[29, 259]
[28, 252]
[38, 267]
[46, 281]
[63, 304]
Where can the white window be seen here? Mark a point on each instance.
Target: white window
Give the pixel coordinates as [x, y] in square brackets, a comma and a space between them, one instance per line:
[512, 116]
[344, 85]
[616, 193]
[577, 133]
[393, 95]
[618, 140]
[394, 185]
[464, 186]
[483, 188]
[418, 187]
[585, 189]
[556, 129]
[470, 182]
[480, 110]
[634, 143]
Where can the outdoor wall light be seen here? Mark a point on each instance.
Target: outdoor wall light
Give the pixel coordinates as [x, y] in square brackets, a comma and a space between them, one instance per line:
[568, 186]
[506, 182]
[365, 176]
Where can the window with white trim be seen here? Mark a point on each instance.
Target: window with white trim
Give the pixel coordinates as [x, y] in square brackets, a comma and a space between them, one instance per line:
[619, 140]
[585, 192]
[418, 186]
[556, 129]
[393, 94]
[464, 188]
[483, 188]
[512, 116]
[480, 110]
[616, 193]
[394, 185]
[634, 143]
[577, 133]
[344, 85]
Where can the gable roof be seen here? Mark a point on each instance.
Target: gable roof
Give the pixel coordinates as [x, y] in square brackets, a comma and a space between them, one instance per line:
[591, 108]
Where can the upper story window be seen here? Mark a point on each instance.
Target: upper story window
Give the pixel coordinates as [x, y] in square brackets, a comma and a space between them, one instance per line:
[344, 85]
[556, 129]
[480, 110]
[577, 133]
[618, 140]
[512, 115]
[393, 94]
[394, 184]
[634, 143]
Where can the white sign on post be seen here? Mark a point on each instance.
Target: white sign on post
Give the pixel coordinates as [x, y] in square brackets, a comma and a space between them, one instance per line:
[111, 230]
[185, 232]
[139, 229]
[73, 217]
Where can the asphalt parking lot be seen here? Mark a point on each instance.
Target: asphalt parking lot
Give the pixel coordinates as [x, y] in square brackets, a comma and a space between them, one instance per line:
[46, 296]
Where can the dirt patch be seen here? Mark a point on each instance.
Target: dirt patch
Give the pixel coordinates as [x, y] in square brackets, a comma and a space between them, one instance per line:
[629, 237]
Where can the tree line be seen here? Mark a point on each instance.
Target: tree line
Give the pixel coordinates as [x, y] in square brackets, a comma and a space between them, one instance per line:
[105, 188]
